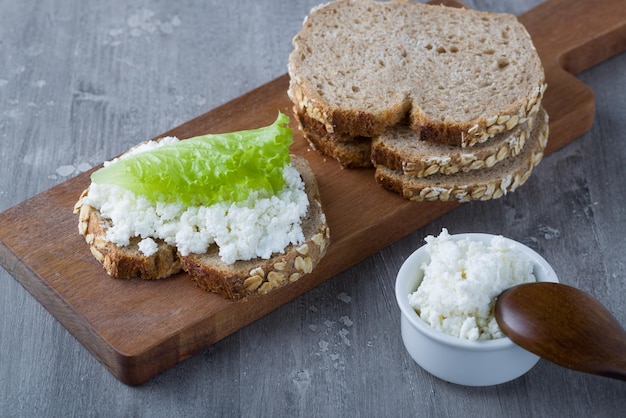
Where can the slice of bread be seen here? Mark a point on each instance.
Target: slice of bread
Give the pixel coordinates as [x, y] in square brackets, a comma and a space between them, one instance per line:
[350, 152]
[484, 184]
[125, 262]
[246, 278]
[400, 148]
[460, 76]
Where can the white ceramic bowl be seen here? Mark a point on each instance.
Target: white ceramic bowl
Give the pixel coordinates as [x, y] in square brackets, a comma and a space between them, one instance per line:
[471, 363]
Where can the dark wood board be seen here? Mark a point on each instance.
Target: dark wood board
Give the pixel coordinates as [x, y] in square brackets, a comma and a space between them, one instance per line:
[138, 329]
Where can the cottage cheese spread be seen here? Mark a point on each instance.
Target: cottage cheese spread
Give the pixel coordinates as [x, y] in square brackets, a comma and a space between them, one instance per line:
[461, 281]
[257, 227]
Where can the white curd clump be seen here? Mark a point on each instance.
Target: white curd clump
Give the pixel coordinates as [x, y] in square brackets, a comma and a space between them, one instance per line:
[461, 281]
[255, 228]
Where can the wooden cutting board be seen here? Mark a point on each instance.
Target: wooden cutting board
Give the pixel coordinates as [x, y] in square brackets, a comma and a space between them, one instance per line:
[138, 329]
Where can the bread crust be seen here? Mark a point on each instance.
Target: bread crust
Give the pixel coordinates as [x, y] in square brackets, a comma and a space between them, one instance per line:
[343, 122]
[484, 184]
[401, 149]
[350, 152]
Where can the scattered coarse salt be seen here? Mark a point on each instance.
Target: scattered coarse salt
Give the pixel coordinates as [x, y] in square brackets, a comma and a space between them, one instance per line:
[461, 281]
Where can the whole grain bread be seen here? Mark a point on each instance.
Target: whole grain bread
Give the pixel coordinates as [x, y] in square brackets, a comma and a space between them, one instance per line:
[484, 184]
[123, 262]
[460, 76]
[400, 148]
[350, 152]
[243, 278]
[246, 278]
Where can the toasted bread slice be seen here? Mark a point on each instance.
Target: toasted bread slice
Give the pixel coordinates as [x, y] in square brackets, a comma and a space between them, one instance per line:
[460, 76]
[259, 276]
[483, 184]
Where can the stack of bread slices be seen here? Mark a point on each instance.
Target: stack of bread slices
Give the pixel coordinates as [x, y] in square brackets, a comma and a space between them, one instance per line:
[444, 102]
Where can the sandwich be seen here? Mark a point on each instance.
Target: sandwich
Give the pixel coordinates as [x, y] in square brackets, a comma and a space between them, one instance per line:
[237, 212]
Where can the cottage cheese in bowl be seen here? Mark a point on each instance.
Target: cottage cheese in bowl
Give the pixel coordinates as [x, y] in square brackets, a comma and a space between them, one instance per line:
[461, 280]
[446, 292]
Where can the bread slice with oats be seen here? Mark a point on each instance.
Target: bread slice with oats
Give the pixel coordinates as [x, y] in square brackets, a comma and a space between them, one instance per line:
[350, 152]
[400, 148]
[482, 184]
[128, 261]
[259, 276]
[233, 281]
[459, 76]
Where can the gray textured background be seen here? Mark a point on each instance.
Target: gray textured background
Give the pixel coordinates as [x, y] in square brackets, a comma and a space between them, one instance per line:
[82, 81]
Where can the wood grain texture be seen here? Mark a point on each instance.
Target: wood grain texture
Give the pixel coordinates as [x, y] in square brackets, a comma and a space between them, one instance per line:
[84, 81]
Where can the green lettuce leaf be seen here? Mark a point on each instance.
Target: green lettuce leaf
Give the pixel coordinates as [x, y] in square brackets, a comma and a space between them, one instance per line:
[207, 169]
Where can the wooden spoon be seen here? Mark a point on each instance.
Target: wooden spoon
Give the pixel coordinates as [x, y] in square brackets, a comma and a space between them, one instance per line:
[565, 326]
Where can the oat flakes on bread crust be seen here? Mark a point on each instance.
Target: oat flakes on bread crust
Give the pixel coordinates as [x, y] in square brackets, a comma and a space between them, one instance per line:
[483, 184]
[400, 148]
[247, 278]
[461, 76]
[124, 262]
